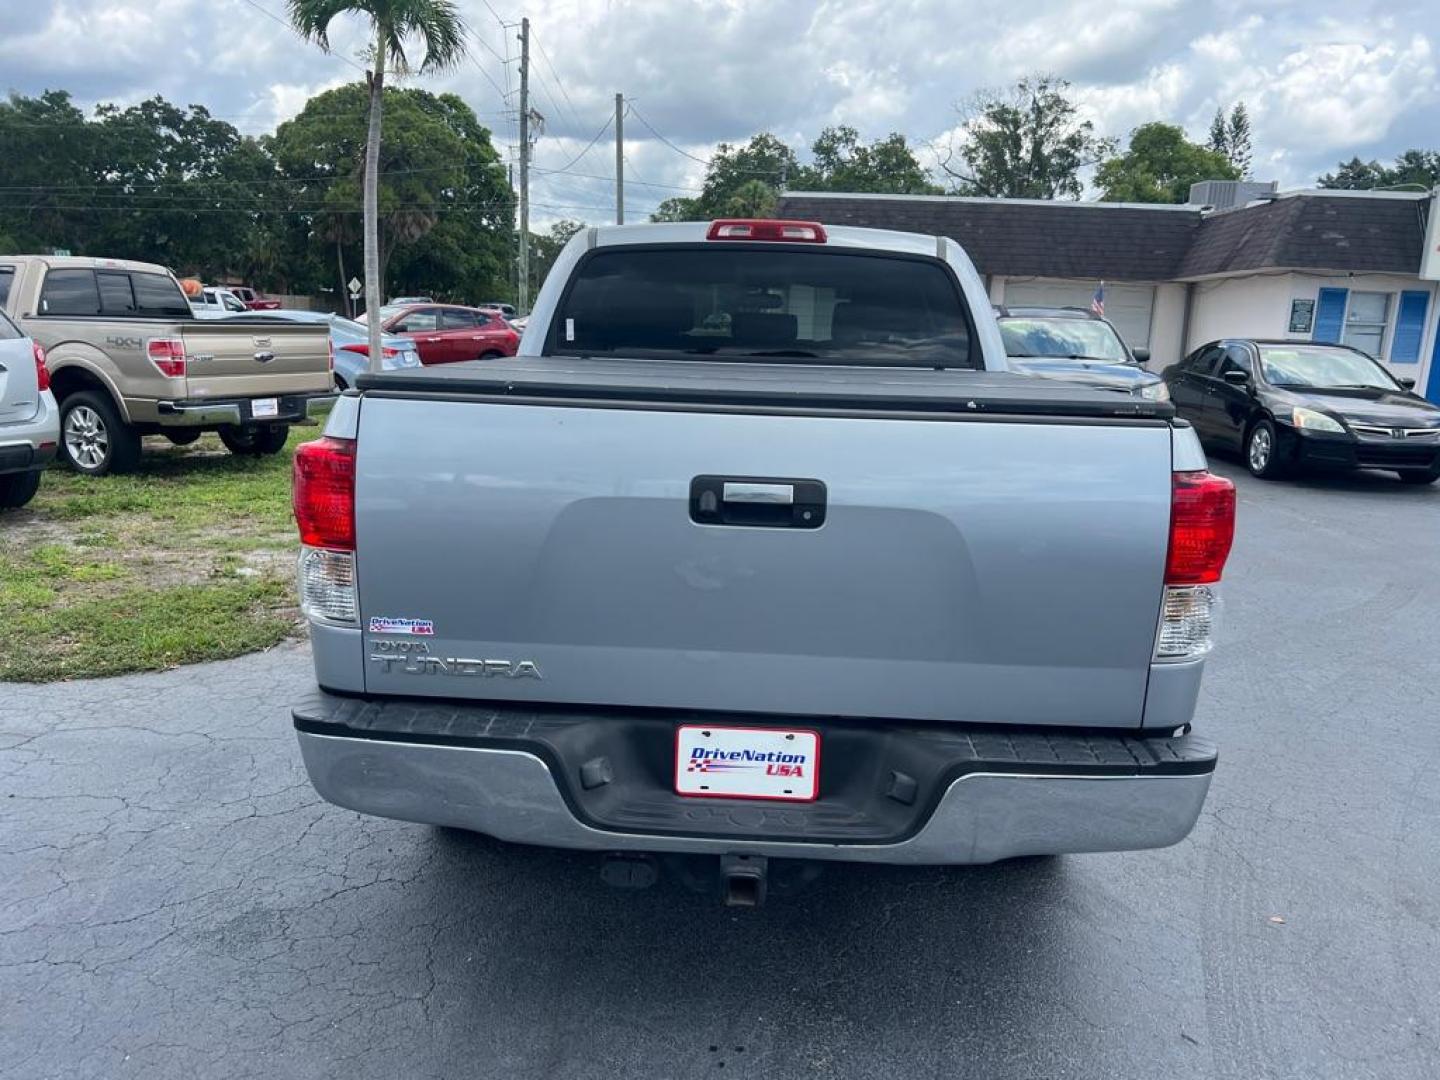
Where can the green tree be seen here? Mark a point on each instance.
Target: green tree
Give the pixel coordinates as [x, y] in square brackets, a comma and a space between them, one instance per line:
[734, 177]
[1414, 169]
[47, 171]
[438, 25]
[841, 162]
[1231, 138]
[440, 180]
[1159, 167]
[1025, 143]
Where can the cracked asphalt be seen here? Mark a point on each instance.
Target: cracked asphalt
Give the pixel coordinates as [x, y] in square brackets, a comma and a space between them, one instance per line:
[175, 901]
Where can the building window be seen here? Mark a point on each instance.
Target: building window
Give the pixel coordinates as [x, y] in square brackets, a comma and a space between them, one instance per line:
[1365, 321]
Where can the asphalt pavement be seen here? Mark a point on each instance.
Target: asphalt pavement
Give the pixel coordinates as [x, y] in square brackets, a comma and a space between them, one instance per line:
[175, 901]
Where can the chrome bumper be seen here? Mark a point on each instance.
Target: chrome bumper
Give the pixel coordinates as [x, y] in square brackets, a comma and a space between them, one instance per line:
[206, 413]
[981, 817]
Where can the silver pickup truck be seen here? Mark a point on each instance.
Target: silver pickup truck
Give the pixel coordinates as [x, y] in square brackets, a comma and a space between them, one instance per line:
[127, 357]
[756, 550]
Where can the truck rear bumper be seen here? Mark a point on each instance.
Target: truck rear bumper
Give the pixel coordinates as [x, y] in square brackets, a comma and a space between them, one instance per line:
[206, 413]
[978, 794]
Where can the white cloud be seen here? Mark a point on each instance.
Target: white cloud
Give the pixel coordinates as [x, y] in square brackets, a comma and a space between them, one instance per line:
[1322, 78]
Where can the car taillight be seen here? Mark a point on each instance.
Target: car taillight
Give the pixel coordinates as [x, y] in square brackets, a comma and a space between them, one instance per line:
[387, 351]
[324, 501]
[1202, 528]
[794, 232]
[168, 355]
[42, 373]
[324, 494]
[362, 350]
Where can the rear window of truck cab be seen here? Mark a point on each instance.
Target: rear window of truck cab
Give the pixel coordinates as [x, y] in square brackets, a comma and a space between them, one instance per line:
[766, 304]
[121, 293]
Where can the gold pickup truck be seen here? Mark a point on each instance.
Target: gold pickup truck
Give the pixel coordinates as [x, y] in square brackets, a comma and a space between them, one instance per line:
[128, 358]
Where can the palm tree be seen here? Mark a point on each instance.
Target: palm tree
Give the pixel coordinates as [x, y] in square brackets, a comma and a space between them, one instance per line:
[439, 26]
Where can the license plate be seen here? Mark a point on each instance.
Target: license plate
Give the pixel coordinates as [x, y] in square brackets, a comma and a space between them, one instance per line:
[747, 763]
[260, 408]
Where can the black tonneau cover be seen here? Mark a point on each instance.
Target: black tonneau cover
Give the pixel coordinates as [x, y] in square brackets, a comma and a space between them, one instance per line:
[715, 383]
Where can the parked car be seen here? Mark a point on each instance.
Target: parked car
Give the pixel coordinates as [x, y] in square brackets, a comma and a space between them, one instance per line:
[826, 553]
[29, 417]
[1284, 404]
[214, 302]
[407, 301]
[447, 333]
[254, 299]
[506, 310]
[1078, 346]
[350, 342]
[128, 358]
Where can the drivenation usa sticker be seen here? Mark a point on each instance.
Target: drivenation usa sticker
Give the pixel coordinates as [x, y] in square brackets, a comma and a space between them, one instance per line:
[385, 624]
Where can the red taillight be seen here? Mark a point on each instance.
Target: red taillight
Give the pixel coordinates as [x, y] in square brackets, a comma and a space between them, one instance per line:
[42, 373]
[794, 232]
[167, 354]
[387, 352]
[324, 493]
[363, 350]
[1202, 527]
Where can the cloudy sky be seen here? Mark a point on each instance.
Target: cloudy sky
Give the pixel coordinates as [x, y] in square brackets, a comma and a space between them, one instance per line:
[1323, 79]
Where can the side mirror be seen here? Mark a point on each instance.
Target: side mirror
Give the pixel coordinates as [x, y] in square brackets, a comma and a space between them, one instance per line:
[1236, 378]
[1142, 356]
[1408, 383]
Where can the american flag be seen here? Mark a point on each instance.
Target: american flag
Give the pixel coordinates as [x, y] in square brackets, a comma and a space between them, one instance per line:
[1097, 302]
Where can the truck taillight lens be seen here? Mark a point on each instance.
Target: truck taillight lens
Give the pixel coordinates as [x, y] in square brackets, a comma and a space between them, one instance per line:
[1202, 528]
[42, 373]
[324, 500]
[168, 355]
[327, 586]
[324, 493]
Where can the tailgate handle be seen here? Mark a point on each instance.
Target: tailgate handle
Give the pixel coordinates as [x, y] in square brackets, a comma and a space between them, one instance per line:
[733, 491]
[757, 502]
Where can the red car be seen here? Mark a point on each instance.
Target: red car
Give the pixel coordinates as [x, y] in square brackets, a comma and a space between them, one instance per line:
[254, 299]
[446, 333]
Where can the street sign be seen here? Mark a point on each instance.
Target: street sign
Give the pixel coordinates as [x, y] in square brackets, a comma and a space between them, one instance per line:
[356, 287]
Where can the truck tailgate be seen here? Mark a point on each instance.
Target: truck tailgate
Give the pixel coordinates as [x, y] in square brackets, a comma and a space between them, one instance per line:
[978, 569]
[237, 359]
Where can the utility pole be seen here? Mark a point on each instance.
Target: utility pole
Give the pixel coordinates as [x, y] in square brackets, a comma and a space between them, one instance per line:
[523, 293]
[619, 159]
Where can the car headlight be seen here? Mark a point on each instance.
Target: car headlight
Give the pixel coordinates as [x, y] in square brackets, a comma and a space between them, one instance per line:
[1155, 392]
[1312, 420]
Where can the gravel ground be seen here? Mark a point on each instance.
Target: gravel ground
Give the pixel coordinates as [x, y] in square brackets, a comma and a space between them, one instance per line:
[175, 902]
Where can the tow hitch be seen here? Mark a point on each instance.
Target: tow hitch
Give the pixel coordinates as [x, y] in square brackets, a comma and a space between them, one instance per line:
[743, 879]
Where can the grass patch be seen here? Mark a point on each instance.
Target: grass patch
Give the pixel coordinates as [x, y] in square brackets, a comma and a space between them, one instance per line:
[188, 559]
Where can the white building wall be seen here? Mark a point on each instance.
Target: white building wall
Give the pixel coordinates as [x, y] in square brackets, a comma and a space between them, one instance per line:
[1167, 325]
[1258, 305]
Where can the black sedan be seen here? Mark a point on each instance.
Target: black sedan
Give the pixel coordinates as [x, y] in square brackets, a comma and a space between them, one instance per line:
[1283, 404]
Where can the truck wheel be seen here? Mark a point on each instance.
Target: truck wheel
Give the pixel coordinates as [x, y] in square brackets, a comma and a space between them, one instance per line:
[17, 489]
[93, 439]
[255, 439]
[183, 436]
[1262, 452]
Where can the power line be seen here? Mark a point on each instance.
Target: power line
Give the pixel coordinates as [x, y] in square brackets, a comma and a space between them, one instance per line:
[588, 146]
[629, 178]
[650, 127]
[559, 82]
[291, 27]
